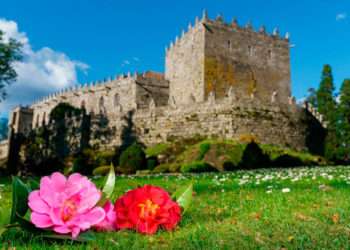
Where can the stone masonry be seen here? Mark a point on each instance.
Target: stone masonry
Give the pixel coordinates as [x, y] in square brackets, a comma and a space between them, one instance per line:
[220, 80]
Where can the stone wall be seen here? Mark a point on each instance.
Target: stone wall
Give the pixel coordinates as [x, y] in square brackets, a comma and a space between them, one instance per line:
[185, 67]
[252, 63]
[151, 91]
[285, 125]
[20, 120]
[212, 56]
[107, 98]
[4, 149]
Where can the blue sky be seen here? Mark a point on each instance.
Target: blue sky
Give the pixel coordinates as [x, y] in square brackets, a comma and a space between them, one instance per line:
[100, 38]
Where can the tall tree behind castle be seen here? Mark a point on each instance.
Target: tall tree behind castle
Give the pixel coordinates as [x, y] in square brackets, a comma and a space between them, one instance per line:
[325, 99]
[327, 106]
[10, 52]
[344, 121]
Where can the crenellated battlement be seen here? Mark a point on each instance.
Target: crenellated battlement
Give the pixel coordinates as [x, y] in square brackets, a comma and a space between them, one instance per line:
[91, 87]
[232, 26]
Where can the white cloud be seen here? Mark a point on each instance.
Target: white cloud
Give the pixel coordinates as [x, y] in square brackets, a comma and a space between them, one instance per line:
[341, 16]
[132, 61]
[39, 73]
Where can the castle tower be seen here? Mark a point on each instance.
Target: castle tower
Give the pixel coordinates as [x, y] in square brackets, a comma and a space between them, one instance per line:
[20, 121]
[213, 56]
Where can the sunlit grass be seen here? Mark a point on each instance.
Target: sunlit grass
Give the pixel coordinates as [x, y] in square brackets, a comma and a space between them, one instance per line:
[236, 210]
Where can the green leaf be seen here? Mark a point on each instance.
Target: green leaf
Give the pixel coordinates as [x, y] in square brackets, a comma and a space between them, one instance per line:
[33, 184]
[27, 225]
[83, 237]
[5, 213]
[109, 184]
[2, 230]
[183, 197]
[20, 192]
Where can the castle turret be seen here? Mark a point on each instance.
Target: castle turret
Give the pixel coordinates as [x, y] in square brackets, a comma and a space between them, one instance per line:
[214, 56]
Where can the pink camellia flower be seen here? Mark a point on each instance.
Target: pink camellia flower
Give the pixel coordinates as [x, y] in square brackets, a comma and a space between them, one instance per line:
[108, 224]
[66, 205]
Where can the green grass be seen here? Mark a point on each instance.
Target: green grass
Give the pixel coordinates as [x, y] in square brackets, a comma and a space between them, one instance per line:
[236, 210]
[157, 149]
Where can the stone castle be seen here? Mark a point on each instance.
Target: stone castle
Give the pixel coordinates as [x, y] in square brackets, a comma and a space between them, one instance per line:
[220, 80]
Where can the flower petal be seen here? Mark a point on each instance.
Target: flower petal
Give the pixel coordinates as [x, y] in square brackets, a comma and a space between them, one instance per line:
[41, 220]
[61, 229]
[95, 216]
[58, 181]
[55, 216]
[75, 232]
[37, 204]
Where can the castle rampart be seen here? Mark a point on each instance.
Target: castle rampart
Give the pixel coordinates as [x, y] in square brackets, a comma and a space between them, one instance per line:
[221, 80]
[109, 98]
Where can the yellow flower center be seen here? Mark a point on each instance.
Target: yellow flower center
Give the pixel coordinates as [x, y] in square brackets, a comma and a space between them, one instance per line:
[68, 210]
[148, 208]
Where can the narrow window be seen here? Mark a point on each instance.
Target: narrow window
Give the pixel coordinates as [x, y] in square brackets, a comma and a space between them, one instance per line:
[102, 105]
[82, 105]
[37, 121]
[14, 119]
[229, 44]
[250, 50]
[44, 118]
[269, 54]
[116, 100]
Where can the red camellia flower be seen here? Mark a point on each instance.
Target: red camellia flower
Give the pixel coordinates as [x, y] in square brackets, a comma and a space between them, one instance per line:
[146, 209]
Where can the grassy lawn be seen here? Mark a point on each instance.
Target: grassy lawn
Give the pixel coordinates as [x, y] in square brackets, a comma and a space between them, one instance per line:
[302, 208]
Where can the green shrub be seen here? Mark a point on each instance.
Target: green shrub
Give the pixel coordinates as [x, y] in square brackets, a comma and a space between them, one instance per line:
[132, 159]
[287, 161]
[229, 166]
[152, 162]
[63, 109]
[157, 149]
[197, 167]
[84, 162]
[203, 149]
[254, 157]
[162, 168]
[103, 170]
[105, 158]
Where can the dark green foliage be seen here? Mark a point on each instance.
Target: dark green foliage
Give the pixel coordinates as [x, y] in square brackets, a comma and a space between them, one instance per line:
[62, 110]
[203, 149]
[105, 158]
[162, 168]
[229, 166]
[312, 97]
[103, 170]
[133, 159]
[197, 167]
[287, 161]
[253, 157]
[152, 162]
[327, 106]
[326, 103]
[343, 125]
[84, 162]
[10, 52]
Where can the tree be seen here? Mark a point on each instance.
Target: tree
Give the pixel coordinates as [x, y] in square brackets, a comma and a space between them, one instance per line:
[10, 52]
[312, 98]
[327, 106]
[326, 103]
[344, 121]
